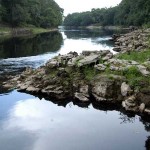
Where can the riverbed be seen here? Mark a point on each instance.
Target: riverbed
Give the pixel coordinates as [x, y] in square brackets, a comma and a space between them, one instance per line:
[31, 123]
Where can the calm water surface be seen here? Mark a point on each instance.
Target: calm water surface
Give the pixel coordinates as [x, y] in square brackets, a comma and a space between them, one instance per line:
[28, 123]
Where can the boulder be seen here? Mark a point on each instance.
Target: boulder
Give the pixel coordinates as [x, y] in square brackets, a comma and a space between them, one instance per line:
[105, 88]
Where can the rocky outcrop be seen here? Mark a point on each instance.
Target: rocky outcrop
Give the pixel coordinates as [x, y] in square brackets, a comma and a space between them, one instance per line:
[92, 76]
[136, 40]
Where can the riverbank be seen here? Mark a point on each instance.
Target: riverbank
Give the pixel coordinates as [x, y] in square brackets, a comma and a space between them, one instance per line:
[97, 76]
[23, 31]
[97, 26]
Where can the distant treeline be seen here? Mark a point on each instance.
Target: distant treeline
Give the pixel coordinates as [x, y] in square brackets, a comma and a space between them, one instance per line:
[40, 13]
[128, 12]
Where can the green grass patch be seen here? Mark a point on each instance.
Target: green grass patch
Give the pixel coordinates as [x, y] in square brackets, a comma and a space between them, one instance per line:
[132, 75]
[89, 72]
[36, 30]
[5, 30]
[136, 56]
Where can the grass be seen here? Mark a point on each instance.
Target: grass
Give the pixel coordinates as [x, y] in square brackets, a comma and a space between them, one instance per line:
[132, 75]
[89, 72]
[34, 30]
[136, 56]
[5, 30]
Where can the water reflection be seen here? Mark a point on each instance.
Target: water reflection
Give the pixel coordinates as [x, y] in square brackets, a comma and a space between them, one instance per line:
[76, 33]
[28, 51]
[147, 143]
[30, 46]
[34, 124]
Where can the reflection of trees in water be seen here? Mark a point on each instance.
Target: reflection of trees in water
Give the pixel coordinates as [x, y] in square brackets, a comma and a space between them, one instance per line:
[86, 33]
[127, 118]
[147, 143]
[76, 34]
[30, 46]
[146, 122]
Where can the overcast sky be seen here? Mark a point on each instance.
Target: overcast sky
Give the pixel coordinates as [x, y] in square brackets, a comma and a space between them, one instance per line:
[71, 6]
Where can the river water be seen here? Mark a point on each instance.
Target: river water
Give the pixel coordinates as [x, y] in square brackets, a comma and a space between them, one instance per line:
[30, 123]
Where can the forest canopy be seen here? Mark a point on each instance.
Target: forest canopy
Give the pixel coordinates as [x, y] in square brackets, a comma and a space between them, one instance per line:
[128, 12]
[40, 13]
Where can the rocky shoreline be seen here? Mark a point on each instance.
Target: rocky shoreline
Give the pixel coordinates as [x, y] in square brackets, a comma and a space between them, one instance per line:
[92, 76]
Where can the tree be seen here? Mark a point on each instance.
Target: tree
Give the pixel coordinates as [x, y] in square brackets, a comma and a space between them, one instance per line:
[41, 13]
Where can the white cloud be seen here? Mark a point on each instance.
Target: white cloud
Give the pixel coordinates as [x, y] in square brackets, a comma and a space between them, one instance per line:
[71, 6]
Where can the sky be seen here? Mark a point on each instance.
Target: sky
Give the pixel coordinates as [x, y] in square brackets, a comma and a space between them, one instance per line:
[71, 6]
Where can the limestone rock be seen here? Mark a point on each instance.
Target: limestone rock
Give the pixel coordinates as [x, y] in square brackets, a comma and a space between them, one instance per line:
[125, 89]
[130, 104]
[100, 67]
[32, 89]
[104, 88]
[88, 60]
[147, 111]
[81, 97]
[143, 70]
[142, 107]
[117, 49]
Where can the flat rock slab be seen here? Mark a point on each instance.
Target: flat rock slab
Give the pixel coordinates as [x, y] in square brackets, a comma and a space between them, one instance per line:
[88, 60]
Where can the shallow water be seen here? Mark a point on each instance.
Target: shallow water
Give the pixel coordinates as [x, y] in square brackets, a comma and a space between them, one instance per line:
[28, 123]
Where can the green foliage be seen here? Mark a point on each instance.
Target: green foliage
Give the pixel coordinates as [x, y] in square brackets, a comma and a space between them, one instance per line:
[136, 56]
[41, 13]
[132, 74]
[128, 12]
[89, 72]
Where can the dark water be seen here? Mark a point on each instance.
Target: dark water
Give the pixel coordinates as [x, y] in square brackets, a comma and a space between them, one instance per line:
[28, 123]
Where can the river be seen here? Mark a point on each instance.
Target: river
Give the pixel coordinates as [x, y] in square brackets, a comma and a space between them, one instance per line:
[31, 123]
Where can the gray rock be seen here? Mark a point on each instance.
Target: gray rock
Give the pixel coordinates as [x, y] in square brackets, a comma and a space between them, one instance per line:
[114, 68]
[100, 67]
[84, 89]
[81, 97]
[117, 49]
[52, 63]
[88, 60]
[32, 89]
[104, 88]
[143, 70]
[123, 104]
[108, 56]
[130, 104]
[147, 111]
[142, 107]
[125, 89]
